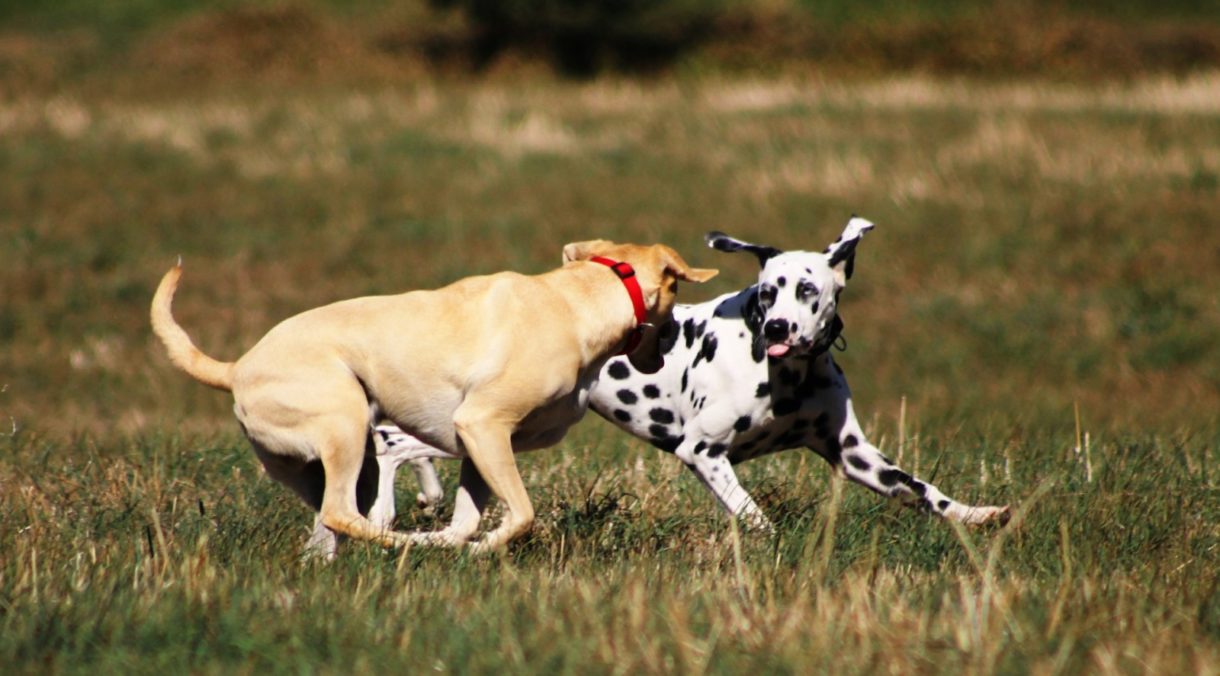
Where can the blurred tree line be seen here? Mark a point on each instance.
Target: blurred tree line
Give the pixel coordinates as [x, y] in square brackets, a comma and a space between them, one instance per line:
[585, 36]
[582, 37]
[43, 44]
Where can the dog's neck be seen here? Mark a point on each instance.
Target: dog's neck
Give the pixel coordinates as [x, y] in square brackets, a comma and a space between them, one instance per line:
[603, 311]
[631, 283]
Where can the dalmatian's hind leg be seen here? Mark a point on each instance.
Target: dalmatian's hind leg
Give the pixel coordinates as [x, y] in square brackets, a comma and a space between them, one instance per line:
[430, 490]
[864, 464]
[398, 448]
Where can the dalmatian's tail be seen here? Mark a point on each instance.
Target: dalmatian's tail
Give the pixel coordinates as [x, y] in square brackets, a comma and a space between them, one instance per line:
[182, 352]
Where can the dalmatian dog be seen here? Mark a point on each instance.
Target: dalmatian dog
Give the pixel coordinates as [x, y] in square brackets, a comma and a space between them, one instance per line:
[751, 373]
[748, 374]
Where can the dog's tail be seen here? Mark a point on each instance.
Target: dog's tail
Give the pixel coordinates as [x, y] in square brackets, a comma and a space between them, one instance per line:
[182, 352]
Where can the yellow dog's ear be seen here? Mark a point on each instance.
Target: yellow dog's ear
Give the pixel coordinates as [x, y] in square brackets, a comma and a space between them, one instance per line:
[583, 251]
[678, 267]
[698, 274]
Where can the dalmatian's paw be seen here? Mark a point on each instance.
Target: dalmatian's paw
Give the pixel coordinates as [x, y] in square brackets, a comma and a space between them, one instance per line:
[988, 516]
[425, 504]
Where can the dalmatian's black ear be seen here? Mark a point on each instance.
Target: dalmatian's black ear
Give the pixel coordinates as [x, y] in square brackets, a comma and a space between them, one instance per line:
[754, 316]
[841, 254]
[722, 242]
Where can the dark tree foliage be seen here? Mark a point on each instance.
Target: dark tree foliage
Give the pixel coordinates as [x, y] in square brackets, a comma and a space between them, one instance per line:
[583, 37]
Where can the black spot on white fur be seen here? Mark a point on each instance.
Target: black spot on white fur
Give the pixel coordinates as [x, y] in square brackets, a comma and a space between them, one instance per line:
[668, 444]
[893, 476]
[661, 415]
[707, 351]
[667, 338]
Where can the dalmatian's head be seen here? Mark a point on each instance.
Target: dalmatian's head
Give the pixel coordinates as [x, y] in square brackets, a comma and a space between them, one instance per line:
[798, 291]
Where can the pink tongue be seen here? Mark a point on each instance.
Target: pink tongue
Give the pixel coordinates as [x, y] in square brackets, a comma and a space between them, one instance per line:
[777, 350]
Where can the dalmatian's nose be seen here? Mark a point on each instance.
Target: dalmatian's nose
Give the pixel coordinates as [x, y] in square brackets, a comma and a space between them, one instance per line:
[776, 329]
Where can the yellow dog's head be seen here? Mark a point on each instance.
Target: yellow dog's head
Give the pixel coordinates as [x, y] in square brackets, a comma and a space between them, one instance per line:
[658, 269]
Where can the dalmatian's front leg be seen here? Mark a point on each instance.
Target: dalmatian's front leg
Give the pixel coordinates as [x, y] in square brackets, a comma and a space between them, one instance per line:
[383, 511]
[866, 465]
[710, 463]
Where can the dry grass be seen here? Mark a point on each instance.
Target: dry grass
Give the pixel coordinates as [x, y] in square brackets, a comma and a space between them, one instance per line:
[193, 555]
[1041, 246]
[528, 164]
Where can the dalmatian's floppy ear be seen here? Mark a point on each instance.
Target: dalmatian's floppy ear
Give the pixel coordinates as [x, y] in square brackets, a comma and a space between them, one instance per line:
[841, 255]
[722, 242]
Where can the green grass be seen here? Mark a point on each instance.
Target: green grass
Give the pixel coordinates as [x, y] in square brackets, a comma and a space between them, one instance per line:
[168, 554]
[1041, 248]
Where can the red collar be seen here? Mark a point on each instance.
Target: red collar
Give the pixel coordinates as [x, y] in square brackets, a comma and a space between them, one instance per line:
[626, 274]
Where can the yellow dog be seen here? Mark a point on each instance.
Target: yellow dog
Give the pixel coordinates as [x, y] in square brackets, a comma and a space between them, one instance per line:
[482, 368]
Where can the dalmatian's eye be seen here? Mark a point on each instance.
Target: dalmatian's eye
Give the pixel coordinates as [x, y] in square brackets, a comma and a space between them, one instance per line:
[804, 290]
[767, 294]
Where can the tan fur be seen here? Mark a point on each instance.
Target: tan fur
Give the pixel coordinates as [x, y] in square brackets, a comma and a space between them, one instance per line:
[182, 352]
[482, 368]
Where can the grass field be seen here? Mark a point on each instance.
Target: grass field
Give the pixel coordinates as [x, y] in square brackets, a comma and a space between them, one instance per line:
[1034, 320]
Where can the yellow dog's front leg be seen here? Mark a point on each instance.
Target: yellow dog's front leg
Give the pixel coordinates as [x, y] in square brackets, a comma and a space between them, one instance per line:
[488, 441]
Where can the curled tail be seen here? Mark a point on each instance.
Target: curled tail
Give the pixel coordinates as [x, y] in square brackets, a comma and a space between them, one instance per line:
[182, 352]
